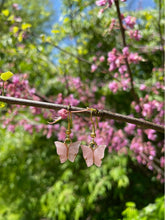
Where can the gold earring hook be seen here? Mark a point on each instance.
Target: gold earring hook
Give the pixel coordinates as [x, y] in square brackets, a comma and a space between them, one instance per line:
[68, 131]
[93, 134]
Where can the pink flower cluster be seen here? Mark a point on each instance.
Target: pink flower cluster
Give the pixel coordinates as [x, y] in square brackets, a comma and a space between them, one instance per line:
[116, 59]
[151, 109]
[135, 34]
[130, 21]
[104, 2]
[144, 151]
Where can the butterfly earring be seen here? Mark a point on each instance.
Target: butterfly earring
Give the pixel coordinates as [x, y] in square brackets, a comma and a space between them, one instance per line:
[67, 150]
[93, 154]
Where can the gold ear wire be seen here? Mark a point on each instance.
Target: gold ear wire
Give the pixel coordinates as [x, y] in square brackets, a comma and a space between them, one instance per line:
[93, 134]
[68, 131]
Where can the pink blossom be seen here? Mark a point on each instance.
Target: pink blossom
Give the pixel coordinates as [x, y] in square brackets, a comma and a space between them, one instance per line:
[134, 58]
[50, 131]
[102, 58]
[162, 162]
[28, 127]
[35, 111]
[125, 51]
[70, 100]
[63, 113]
[61, 135]
[135, 35]
[123, 69]
[11, 128]
[18, 19]
[142, 87]
[151, 134]
[137, 108]
[130, 21]
[94, 68]
[113, 86]
[94, 58]
[59, 99]
[15, 79]
[147, 110]
[143, 151]
[116, 75]
[15, 6]
[112, 25]
[118, 141]
[100, 12]
[101, 2]
[130, 129]
[112, 66]
[125, 84]
[110, 3]
[112, 56]
[119, 61]
[77, 82]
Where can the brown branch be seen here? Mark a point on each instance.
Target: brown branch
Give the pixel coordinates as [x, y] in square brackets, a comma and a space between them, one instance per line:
[43, 98]
[71, 54]
[136, 98]
[99, 113]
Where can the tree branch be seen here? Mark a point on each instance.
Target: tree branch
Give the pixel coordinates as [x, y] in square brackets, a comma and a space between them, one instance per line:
[136, 98]
[99, 113]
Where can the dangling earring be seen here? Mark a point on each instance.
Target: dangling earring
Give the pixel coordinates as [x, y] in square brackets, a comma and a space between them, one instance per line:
[93, 154]
[67, 150]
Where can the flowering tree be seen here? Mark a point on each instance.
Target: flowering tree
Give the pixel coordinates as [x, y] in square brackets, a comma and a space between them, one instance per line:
[112, 62]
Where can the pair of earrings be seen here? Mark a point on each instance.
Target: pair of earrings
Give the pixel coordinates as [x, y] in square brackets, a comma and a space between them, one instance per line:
[93, 154]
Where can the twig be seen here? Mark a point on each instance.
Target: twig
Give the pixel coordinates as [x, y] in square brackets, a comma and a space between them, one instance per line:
[71, 54]
[99, 113]
[43, 98]
[136, 98]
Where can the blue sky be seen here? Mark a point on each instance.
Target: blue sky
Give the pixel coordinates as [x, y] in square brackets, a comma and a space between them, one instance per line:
[133, 3]
[142, 3]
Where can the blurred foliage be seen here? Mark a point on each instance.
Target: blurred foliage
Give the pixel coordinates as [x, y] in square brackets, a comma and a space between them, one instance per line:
[33, 183]
[150, 212]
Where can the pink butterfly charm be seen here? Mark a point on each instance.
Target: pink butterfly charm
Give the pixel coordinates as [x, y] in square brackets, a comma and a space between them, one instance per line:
[93, 155]
[67, 151]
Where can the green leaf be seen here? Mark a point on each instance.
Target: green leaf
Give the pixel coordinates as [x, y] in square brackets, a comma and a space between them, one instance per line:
[55, 31]
[66, 20]
[25, 26]
[15, 29]
[5, 12]
[20, 37]
[7, 75]
[130, 204]
[2, 104]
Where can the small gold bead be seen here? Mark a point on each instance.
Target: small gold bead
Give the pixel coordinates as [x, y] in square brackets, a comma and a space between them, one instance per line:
[68, 132]
[93, 135]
